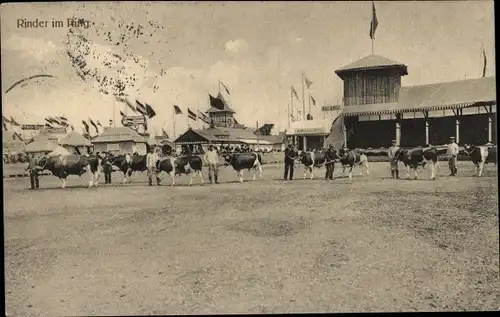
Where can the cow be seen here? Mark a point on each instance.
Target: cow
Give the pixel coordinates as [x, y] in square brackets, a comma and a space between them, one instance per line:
[240, 161]
[127, 164]
[62, 166]
[481, 155]
[310, 160]
[413, 158]
[353, 158]
[174, 166]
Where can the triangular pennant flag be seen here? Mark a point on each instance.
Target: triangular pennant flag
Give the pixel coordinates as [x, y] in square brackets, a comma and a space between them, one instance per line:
[225, 87]
[216, 103]
[177, 110]
[308, 82]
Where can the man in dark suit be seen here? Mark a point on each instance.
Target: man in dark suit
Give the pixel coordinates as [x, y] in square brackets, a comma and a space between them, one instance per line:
[33, 170]
[290, 155]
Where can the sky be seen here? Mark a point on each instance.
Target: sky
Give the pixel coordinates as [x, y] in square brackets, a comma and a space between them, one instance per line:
[257, 49]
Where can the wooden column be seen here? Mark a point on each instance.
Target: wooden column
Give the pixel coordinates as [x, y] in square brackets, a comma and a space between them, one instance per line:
[426, 115]
[304, 142]
[344, 134]
[398, 129]
[490, 124]
[457, 130]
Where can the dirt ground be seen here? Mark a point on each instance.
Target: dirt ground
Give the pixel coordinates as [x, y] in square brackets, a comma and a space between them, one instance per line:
[362, 245]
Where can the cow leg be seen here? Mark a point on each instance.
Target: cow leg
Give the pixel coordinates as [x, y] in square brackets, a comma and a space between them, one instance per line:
[407, 167]
[350, 172]
[200, 173]
[312, 172]
[63, 182]
[254, 173]
[433, 171]
[240, 176]
[305, 171]
[193, 175]
[367, 168]
[91, 181]
[124, 177]
[415, 170]
[260, 171]
[343, 170]
[173, 178]
[481, 166]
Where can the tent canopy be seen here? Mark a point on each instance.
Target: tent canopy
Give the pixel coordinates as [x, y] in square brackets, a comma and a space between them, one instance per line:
[41, 145]
[75, 139]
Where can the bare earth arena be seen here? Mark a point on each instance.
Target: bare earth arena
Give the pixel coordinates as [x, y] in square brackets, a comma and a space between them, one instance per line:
[367, 244]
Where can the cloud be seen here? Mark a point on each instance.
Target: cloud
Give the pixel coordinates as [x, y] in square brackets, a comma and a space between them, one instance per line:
[32, 47]
[236, 46]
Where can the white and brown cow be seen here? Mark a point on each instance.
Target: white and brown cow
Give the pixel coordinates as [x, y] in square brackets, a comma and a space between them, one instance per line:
[481, 155]
[62, 166]
[176, 166]
[241, 161]
[310, 160]
[413, 158]
[353, 158]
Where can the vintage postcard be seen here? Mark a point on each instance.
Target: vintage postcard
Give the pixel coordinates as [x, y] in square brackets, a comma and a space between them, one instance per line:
[217, 157]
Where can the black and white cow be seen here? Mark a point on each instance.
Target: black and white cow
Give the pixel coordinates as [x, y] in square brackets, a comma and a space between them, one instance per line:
[413, 158]
[62, 166]
[310, 160]
[481, 155]
[127, 164]
[174, 166]
[241, 161]
[351, 158]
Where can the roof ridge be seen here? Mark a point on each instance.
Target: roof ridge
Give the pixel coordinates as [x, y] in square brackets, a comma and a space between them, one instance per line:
[448, 82]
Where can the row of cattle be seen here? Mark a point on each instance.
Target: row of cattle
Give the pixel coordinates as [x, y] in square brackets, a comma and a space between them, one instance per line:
[63, 166]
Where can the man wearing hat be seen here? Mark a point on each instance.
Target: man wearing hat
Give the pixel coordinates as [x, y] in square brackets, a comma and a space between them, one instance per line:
[33, 170]
[212, 160]
[290, 155]
[151, 159]
[330, 162]
[452, 153]
[392, 161]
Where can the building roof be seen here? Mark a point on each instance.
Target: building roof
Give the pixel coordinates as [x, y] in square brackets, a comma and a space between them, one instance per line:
[75, 139]
[226, 106]
[230, 135]
[447, 95]
[9, 136]
[13, 147]
[372, 62]
[41, 145]
[119, 134]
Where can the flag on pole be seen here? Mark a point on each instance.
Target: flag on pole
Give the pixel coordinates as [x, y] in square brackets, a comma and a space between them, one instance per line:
[313, 101]
[484, 63]
[216, 103]
[122, 114]
[86, 126]
[94, 125]
[141, 108]
[14, 122]
[203, 117]
[5, 119]
[308, 82]
[294, 92]
[191, 115]
[374, 23]
[177, 110]
[150, 111]
[98, 123]
[225, 87]
[128, 103]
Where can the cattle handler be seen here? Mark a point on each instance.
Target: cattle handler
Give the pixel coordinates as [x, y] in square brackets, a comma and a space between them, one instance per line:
[151, 159]
[290, 155]
[33, 170]
[212, 160]
[330, 162]
[107, 168]
[452, 152]
[393, 163]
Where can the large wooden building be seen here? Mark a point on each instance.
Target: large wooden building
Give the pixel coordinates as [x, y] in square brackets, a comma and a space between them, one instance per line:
[377, 109]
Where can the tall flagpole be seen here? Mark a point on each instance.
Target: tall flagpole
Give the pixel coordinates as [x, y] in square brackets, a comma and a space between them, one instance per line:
[309, 103]
[173, 121]
[290, 106]
[303, 99]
